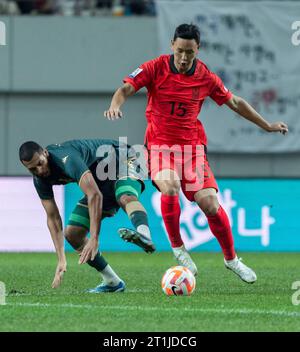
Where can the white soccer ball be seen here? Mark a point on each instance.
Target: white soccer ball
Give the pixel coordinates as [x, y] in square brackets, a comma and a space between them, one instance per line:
[178, 281]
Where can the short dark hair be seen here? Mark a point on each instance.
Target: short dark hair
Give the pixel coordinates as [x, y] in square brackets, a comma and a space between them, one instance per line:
[28, 149]
[187, 31]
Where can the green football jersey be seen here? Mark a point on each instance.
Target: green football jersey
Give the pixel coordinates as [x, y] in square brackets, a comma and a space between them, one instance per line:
[69, 161]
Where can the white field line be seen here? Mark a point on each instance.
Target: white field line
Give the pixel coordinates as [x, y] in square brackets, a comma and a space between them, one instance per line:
[245, 311]
[47, 294]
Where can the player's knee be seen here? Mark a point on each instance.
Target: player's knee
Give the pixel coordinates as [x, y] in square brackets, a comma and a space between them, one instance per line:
[125, 199]
[75, 235]
[68, 234]
[170, 188]
[209, 206]
[211, 210]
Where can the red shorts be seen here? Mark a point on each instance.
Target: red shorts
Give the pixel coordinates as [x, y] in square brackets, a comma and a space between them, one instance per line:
[189, 162]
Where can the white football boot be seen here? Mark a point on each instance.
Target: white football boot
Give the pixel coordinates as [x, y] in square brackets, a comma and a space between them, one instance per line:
[243, 271]
[183, 258]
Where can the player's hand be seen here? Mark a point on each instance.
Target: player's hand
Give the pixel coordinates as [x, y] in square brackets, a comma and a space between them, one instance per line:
[89, 251]
[60, 270]
[113, 114]
[278, 127]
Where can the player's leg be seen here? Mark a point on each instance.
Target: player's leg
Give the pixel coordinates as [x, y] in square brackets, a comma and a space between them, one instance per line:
[168, 182]
[203, 190]
[217, 219]
[165, 176]
[127, 192]
[76, 234]
[219, 224]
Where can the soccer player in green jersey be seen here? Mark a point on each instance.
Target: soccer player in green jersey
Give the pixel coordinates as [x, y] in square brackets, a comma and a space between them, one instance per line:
[109, 178]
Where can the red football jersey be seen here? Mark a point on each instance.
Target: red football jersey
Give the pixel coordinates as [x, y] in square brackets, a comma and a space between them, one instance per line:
[175, 100]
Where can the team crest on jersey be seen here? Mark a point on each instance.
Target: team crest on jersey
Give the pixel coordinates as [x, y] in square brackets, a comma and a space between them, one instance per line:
[135, 72]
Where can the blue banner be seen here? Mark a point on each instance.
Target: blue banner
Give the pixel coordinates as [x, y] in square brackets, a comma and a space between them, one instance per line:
[263, 215]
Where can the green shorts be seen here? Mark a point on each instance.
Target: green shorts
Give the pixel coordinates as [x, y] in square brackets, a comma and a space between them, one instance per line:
[113, 191]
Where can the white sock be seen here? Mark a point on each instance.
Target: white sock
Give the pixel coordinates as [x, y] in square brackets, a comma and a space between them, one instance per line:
[176, 250]
[231, 260]
[109, 276]
[144, 230]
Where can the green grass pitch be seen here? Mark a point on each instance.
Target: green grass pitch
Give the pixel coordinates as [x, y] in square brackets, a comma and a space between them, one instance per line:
[221, 302]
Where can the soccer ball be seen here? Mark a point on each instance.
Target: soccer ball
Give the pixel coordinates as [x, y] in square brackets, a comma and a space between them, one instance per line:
[178, 281]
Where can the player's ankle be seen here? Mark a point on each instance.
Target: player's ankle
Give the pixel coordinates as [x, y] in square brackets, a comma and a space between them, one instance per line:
[230, 259]
[145, 231]
[178, 248]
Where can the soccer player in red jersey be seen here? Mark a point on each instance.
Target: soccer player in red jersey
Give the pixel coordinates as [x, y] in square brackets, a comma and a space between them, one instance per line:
[177, 86]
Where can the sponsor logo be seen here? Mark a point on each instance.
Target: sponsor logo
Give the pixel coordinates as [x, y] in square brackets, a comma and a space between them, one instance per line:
[173, 288]
[194, 227]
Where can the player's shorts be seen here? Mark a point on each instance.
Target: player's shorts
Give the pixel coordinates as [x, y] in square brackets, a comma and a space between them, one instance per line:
[112, 191]
[189, 162]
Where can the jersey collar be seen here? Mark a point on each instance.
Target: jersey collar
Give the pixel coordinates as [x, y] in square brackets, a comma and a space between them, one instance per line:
[173, 68]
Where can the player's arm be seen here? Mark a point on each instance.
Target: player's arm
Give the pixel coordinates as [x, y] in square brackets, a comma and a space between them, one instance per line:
[118, 100]
[55, 227]
[139, 78]
[95, 200]
[244, 109]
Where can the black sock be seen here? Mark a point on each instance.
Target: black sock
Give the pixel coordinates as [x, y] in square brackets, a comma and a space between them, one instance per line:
[99, 263]
[139, 218]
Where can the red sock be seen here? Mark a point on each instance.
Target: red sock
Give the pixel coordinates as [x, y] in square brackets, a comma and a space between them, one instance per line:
[170, 210]
[220, 227]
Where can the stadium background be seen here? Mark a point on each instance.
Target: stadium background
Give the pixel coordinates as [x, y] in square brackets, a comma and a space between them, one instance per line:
[58, 74]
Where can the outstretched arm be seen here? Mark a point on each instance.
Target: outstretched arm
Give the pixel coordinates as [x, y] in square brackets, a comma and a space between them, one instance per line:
[56, 230]
[118, 100]
[240, 106]
[95, 200]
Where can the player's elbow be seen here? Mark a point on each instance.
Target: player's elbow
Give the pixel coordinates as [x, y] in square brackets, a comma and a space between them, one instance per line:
[95, 203]
[127, 90]
[95, 197]
[235, 103]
